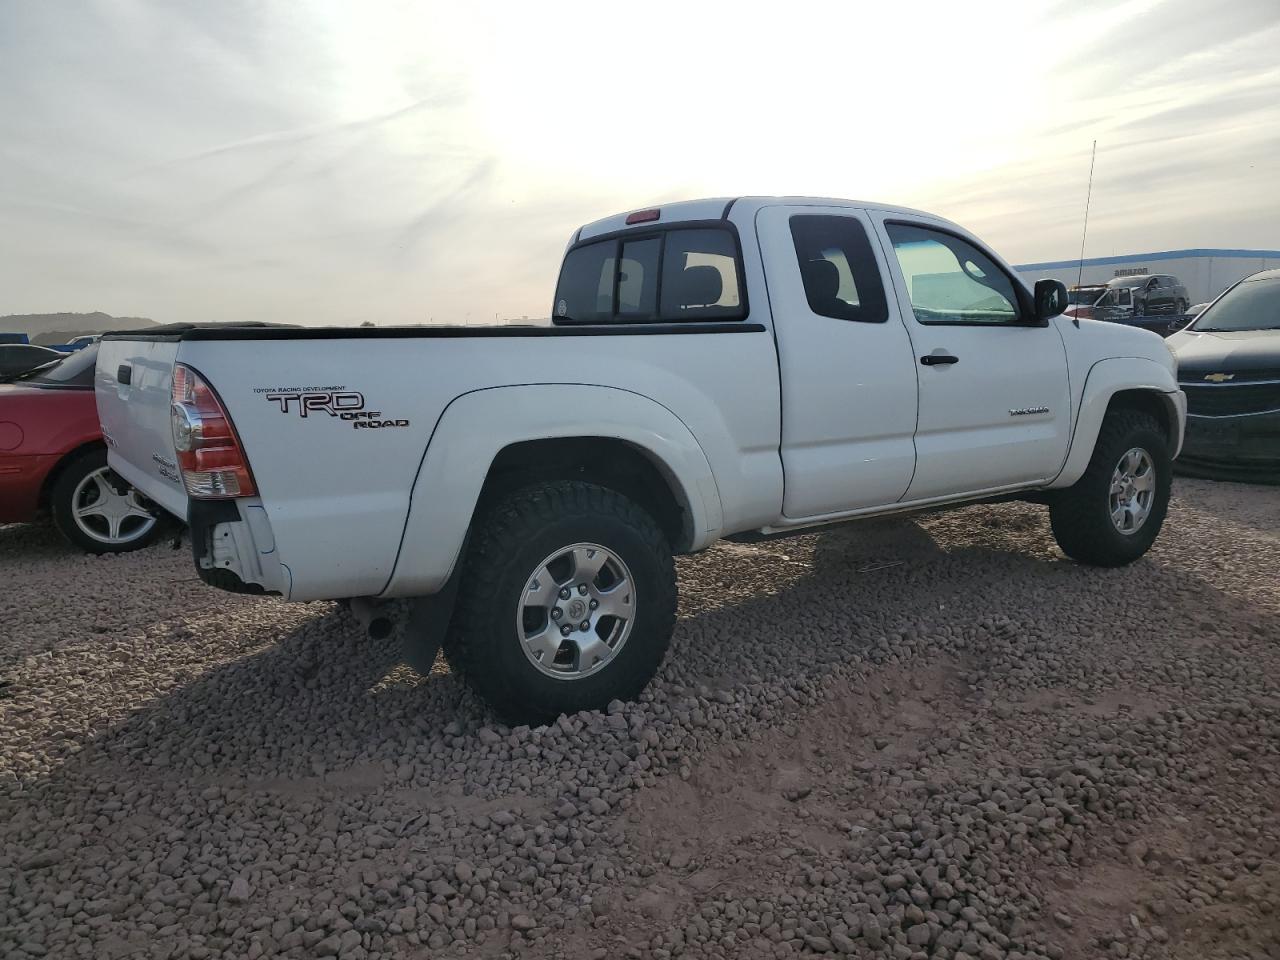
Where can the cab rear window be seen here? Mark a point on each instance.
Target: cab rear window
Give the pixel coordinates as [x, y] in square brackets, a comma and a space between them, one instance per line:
[670, 276]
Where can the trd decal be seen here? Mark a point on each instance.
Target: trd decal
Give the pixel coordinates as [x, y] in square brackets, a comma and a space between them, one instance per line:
[334, 404]
[337, 402]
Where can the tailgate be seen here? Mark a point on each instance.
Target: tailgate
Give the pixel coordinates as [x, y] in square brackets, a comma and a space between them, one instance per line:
[132, 386]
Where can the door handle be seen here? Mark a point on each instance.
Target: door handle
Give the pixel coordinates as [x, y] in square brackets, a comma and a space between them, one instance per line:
[124, 374]
[934, 359]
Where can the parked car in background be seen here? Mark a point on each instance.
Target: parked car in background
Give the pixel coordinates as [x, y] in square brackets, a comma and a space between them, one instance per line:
[1142, 296]
[1080, 300]
[1165, 296]
[18, 358]
[1229, 368]
[731, 367]
[75, 343]
[53, 460]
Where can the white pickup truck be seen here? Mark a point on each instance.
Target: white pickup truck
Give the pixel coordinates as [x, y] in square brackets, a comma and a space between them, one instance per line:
[753, 367]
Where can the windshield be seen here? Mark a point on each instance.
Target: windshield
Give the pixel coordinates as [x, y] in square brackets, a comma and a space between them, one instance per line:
[73, 371]
[1084, 295]
[1249, 305]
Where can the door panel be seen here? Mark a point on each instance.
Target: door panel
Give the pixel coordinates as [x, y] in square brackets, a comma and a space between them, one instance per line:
[995, 405]
[848, 386]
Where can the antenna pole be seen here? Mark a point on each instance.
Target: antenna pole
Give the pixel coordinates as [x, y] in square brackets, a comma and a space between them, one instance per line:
[1085, 232]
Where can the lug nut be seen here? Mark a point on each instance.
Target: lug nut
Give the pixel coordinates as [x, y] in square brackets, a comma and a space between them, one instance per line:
[582, 589]
[556, 613]
[566, 630]
[594, 604]
[564, 593]
[584, 626]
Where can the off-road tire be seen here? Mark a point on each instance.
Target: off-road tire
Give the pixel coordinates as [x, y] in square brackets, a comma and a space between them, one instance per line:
[63, 490]
[1081, 516]
[509, 541]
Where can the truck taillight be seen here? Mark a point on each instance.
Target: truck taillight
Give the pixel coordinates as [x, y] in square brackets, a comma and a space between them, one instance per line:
[210, 457]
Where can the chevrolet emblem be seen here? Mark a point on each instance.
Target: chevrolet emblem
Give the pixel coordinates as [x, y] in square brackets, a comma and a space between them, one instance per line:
[1219, 377]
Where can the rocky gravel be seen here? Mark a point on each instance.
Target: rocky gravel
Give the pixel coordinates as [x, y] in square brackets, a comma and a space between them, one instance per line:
[934, 737]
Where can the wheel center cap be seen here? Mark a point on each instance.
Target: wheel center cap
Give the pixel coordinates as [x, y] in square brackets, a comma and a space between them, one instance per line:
[576, 610]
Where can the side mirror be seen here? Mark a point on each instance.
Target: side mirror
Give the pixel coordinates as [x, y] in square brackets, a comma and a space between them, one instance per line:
[1051, 298]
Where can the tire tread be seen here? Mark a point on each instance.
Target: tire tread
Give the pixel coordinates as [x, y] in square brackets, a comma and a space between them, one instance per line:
[1074, 513]
[512, 521]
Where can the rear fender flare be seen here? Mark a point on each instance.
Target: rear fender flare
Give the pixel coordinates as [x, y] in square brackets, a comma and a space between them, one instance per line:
[476, 426]
[1105, 379]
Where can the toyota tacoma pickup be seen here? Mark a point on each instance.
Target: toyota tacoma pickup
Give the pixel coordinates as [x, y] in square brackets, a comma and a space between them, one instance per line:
[716, 368]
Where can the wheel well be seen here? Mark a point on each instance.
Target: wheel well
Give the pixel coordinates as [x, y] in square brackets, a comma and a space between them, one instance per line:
[1149, 402]
[606, 461]
[52, 477]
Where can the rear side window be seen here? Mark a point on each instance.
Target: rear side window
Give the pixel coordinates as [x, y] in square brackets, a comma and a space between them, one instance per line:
[841, 278]
[680, 274]
[700, 276]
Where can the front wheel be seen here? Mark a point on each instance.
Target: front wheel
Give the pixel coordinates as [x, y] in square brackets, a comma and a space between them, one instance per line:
[567, 601]
[1112, 515]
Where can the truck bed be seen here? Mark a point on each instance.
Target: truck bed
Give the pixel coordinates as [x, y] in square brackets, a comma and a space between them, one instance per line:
[336, 422]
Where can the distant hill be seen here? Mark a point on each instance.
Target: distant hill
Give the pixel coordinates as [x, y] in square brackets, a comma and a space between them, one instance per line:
[61, 327]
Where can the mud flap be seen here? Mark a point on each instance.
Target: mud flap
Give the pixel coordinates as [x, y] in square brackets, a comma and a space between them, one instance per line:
[428, 620]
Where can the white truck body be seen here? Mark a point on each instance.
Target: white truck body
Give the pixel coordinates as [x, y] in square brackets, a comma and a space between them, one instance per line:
[782, 419]
[715, 368]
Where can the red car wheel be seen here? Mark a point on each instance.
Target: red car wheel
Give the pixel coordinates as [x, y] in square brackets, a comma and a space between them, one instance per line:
[98, 511]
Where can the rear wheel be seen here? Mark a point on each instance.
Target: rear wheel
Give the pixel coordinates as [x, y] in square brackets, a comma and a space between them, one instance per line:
[1112, 515]
[98, 511]
[567, 601]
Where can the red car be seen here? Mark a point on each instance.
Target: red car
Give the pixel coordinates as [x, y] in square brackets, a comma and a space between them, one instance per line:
[53, 460]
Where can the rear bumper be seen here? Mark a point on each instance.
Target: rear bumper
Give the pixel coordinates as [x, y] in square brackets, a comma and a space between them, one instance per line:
[1246, 447]
[234, 549]
[21, 480]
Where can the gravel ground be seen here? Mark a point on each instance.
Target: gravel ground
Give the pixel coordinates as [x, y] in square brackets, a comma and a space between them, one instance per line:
[927, 738]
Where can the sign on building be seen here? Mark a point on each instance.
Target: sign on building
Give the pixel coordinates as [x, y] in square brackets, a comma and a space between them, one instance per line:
[1131, 271]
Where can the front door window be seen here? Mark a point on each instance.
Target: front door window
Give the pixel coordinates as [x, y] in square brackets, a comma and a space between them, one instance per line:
[951, 281]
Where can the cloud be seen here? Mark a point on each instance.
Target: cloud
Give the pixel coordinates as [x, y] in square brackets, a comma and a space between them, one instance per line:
[317, 162]
[290, 138]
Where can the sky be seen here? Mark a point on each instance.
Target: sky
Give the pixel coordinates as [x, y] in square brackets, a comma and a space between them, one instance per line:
[396, 162]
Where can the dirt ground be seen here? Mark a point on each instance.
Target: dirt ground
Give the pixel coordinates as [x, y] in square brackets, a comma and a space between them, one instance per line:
[934, 737]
